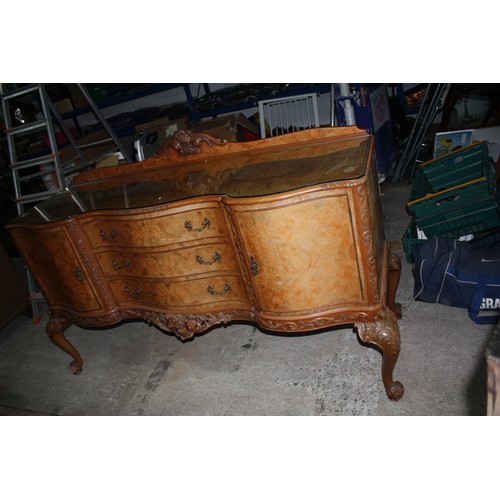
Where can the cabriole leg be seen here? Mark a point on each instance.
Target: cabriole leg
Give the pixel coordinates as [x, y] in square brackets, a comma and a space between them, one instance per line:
[55, 330]
[384, 334]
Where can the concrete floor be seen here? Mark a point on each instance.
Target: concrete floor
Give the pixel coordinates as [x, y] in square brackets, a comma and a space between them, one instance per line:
[135, 369]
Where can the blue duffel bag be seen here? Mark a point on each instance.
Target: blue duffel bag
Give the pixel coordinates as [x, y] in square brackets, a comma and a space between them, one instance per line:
[460, 274]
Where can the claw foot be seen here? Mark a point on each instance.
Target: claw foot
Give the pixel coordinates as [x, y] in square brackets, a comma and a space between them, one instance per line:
[395, 391]
[75, 367]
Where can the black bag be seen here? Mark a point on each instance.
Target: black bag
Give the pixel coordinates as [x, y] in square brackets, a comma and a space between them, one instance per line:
[460, 274]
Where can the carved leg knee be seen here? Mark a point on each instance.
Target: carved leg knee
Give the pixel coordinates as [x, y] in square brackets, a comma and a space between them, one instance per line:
[384, 334]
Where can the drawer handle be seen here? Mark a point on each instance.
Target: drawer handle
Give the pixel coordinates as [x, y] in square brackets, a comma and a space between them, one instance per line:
[189, 226]
[111, 237]
[79, 273]
[216, 258]
[134, 293]
[227, 289]
[125, 264]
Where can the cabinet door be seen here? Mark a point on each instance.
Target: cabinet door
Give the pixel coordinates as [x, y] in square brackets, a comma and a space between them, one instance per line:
[57, 268]
[302, 253]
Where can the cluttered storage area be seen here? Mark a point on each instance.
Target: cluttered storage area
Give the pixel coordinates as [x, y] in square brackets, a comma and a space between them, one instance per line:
[279, 211]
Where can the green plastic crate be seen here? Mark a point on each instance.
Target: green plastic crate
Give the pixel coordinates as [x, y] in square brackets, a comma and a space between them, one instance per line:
[448, 225]
[472, 218]
[410, 238]
[463, 197]
[452, 170]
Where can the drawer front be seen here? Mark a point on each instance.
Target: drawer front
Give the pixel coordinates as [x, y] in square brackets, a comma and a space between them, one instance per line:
[218, 257]
[156, 229]
[181, 295]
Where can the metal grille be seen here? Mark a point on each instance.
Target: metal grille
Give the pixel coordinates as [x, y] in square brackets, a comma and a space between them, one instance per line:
[288, 114]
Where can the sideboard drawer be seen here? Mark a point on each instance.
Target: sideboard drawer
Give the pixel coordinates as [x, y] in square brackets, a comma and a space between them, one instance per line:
[156, 230]
[180, 294]
[217, 257]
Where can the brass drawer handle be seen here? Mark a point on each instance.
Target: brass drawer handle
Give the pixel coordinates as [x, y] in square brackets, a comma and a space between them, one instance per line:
[227, 289]
[134, 293]
[79, 273]
[189, 226]
[111, 237]
[216, 258]
[117, 266]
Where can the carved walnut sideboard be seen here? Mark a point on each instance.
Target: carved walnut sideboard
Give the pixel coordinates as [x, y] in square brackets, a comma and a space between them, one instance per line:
[285, 232]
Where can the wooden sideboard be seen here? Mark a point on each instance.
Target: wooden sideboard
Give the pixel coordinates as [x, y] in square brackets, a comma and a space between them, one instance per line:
[285, 232]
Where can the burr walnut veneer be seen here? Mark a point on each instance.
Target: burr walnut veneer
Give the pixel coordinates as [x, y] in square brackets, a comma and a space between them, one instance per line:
[284, 232]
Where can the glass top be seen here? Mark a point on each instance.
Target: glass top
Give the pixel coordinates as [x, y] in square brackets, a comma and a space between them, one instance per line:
[246, 175]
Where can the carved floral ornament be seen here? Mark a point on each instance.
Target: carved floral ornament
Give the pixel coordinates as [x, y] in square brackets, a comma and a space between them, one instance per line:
[186, 326]
[186, 142]
[367, 237]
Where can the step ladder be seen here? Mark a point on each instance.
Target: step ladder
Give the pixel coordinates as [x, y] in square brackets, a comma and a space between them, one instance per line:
[432, 104]
[25, 170]
[46, 167]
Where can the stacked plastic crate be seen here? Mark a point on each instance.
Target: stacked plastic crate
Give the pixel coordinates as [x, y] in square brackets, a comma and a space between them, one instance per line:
[453, 196]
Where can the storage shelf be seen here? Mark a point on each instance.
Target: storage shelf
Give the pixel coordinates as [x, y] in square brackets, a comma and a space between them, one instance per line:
[195, 109]
[121, 99]
[251, 103]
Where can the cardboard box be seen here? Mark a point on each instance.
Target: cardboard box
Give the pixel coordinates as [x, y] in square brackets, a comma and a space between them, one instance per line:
[109, 161]
[95, 144]
[76, 96]
[164, 127]
[36, 148]
[92, 146]
[493, 378]
[234, 128]
[64, 106]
